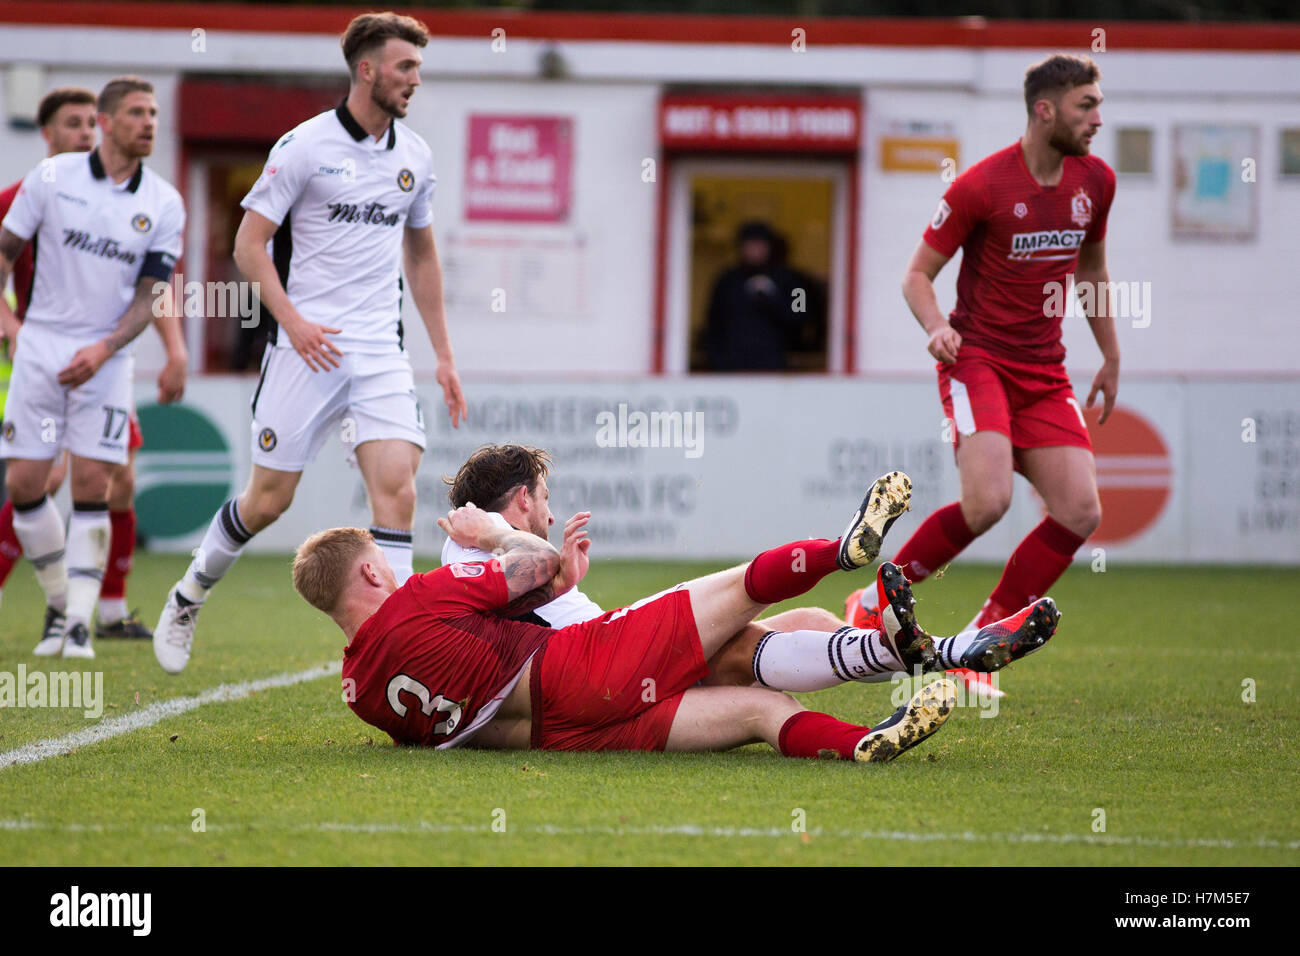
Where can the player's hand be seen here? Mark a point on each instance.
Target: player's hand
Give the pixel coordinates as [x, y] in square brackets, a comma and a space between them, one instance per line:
[85, 363]
[9, 326]
[469, 526]
[1106, 382]
[171, 381]
[944, 343]
[573, 553]
[309, 340]
[449, 379]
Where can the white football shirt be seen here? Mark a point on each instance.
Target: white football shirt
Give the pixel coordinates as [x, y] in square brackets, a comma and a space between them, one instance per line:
[572, 607]
[342, 200]
[93, 240]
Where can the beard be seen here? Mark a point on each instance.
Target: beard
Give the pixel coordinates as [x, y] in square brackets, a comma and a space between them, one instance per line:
[134, 148]
[1066, 143]
[389, 99]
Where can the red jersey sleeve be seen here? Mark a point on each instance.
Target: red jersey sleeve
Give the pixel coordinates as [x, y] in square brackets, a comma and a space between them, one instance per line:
[462, 587]
[1097, 231]
[960, 210]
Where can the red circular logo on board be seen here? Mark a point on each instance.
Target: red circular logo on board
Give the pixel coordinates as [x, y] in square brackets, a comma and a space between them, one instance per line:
[1134, 473]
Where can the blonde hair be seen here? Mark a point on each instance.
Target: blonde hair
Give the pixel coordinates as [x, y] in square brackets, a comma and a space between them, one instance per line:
[323, 561]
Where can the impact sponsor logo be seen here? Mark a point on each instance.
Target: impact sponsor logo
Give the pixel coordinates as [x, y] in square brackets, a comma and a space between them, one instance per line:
[1046, 244]
[131, 910]
[82, 690]
[184, 470]
[106, 247]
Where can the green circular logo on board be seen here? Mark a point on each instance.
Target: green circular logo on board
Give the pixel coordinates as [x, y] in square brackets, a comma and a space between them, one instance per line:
[183, 472]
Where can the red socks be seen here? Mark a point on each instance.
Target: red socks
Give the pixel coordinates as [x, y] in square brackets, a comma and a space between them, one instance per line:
[941, 537]
[10, 549]
[809, 734]
[790, 570]
[120, 551]
[1036, 564]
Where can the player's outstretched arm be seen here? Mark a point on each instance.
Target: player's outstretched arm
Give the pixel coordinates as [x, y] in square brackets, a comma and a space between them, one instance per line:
[918, 290]
[307, 338]
[11, 247]
[1091, 273]
[424, 274]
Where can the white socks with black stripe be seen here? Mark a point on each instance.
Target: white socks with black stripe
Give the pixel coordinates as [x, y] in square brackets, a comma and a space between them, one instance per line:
[89, 531]
[39, 530]
[816, 660]
[397, 547]
[221, 548]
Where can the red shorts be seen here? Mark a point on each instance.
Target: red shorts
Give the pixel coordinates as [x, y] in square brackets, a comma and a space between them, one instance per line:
[615, 682]
[137, 436]
[1031, 404]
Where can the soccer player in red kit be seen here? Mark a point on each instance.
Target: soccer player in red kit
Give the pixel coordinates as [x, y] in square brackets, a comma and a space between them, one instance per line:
[439, 663]
[1024, 217]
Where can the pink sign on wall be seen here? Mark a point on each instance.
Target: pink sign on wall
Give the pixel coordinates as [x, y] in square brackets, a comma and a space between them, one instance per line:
[519, 168]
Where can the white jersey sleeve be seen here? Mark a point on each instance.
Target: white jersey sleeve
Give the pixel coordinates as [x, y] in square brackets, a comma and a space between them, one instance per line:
[572, 607]
[28, 208]
[421, 214]
[165, 248]
[283, 178]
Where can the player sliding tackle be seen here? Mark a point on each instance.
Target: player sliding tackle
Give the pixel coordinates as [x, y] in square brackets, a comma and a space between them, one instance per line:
[437, 661]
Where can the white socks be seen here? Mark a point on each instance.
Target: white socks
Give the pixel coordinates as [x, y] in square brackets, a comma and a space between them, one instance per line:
[396, 545]
[87, 556]
[39, 530]
[950, 649]
[221, 548]
[815, 660]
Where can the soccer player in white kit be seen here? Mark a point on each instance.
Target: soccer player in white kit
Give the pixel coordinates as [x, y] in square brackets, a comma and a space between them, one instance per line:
[345, 201]
[107, 229]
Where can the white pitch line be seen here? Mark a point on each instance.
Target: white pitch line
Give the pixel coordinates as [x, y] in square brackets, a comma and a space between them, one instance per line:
[148, 716]
[685, 830]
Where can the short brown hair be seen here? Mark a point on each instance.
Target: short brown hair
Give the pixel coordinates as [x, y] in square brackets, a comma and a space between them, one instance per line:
[116, 89]
[52, 101]
[1057, 74]
[371, 30]
[493, 472]
[323, 562]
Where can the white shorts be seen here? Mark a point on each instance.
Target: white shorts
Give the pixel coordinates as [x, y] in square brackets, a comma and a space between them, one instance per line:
[368, 398]
[41, 416]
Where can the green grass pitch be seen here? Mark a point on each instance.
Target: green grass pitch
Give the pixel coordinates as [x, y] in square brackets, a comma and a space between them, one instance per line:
[1135, 709]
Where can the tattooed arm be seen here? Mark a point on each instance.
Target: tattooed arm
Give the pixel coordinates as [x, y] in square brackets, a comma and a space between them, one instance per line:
[11, 247]
[87, 361]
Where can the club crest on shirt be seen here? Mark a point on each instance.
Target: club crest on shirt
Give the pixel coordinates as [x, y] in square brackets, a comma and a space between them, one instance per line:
[940, 215]
[266, 440]
[406, 180]
[9, 431]
[466, 570]
[141, 223]
[1080, 209]
[1021, 210]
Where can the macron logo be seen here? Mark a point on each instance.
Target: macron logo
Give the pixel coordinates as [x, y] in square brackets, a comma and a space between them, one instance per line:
[102, 909]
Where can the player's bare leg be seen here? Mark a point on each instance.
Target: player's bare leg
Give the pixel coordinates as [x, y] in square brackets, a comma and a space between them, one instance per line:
[266, 496]
[87, 549]
[720, 718]
[113, 619]
[11, 549]
[388, 467]
[40, 532]
[1066, 478]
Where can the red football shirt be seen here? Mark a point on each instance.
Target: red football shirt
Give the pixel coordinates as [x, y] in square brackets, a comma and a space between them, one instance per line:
[435, 654]
[1017, 236]
[25, 267]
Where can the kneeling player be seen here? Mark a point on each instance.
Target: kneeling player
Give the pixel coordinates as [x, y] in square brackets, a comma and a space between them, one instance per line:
[437, 663]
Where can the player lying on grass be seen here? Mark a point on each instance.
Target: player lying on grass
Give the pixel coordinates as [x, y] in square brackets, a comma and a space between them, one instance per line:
[810, 654]
[437, 662]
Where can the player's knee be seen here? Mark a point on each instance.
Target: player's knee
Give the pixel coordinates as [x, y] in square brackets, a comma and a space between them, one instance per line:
[261, 506]
[398, 500]
[986, 510]
[1084, 517]
[121, 490]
